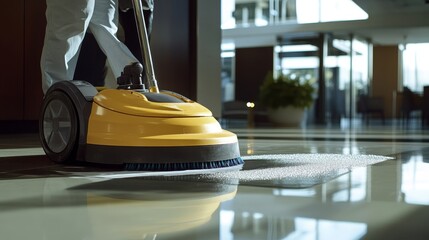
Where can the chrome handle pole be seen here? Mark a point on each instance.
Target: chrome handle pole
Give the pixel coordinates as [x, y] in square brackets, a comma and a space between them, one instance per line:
[145, 47]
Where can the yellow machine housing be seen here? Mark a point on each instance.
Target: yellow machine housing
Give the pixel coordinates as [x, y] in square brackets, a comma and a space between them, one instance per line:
[141, 129]
[155, 127]
[128, 118]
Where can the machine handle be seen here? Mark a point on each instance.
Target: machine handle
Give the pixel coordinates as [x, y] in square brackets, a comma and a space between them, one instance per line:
[145, 47]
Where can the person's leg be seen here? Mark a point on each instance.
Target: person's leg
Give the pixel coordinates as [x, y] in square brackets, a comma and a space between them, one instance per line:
[91, 64]
[104, 27]
[90, 52]
[67, 21]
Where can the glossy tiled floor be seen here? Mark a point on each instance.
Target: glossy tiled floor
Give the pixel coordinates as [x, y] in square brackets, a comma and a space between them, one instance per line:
[387, 200]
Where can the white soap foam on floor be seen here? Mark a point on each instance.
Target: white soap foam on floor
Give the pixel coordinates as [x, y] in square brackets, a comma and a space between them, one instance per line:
[299, 166]
[284, 169]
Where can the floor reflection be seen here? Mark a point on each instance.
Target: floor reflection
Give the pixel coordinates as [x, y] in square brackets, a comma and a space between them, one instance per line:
[274, 196]
[258, 226]
[415, 179]
[129, 208]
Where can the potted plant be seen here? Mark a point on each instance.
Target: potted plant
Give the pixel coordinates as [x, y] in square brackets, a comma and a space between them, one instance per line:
[286, 98]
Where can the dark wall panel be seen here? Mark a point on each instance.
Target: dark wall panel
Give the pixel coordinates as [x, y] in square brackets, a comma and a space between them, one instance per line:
[35, 23]
[173, 42]
[12, 60]
[251, 66]
[385, 75]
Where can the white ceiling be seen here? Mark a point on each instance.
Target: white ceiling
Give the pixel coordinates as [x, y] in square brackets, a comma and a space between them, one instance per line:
[395, 21]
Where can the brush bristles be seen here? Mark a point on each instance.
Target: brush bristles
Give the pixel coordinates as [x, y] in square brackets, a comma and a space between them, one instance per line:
[182, 166]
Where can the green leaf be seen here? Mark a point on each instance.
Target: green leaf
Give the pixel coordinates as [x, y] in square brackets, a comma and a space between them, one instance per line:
[285, 91]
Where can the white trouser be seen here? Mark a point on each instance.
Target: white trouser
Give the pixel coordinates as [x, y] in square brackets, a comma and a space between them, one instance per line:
[67, 23]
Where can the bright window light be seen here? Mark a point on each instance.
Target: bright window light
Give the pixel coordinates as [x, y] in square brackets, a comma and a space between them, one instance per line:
[299, 48]
[229, 46]
[245, 14]
[227, 10]
[227, 54]
[312, 11]
[308, 11]
[415, 71]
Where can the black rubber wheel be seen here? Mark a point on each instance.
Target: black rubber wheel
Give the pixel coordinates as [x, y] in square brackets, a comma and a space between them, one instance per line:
[58, 127]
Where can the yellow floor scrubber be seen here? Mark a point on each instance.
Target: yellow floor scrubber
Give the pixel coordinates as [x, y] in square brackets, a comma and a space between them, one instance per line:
[138, 127]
